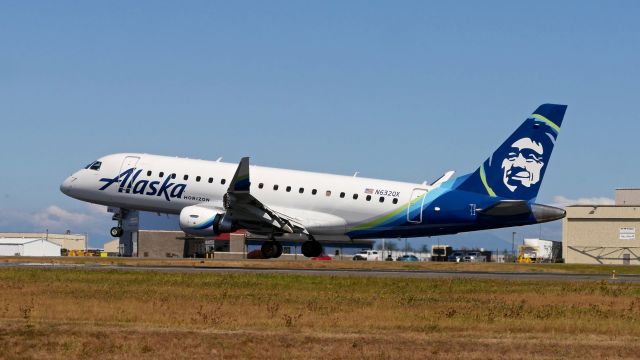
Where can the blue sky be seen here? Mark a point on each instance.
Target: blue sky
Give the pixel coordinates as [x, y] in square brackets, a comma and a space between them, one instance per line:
[396, 90]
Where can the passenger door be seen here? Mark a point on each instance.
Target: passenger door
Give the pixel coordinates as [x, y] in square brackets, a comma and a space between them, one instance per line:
[129, 162]
[414, 210]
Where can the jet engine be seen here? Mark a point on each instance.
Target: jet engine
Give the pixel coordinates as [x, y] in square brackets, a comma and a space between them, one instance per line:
[203, 221]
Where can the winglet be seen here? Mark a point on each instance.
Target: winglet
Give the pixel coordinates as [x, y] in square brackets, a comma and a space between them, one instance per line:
[240, 181]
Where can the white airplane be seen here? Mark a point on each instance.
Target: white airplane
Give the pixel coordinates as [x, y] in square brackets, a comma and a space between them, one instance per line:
[213, 197]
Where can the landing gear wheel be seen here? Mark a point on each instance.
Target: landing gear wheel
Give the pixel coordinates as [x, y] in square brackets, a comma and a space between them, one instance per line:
[278, 249]
[271, 249]
[116, 231]
[311, 248]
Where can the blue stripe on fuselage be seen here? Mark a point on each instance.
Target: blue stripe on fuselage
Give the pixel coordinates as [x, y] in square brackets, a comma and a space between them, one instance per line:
[456, 214]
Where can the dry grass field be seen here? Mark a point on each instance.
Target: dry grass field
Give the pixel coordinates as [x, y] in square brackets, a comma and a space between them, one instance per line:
[67, 313]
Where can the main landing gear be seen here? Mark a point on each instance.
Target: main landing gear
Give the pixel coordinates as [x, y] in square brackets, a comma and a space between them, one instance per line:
[311, 248]
[271, 249]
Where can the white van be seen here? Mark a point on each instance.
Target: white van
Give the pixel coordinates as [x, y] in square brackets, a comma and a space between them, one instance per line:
[369, 255]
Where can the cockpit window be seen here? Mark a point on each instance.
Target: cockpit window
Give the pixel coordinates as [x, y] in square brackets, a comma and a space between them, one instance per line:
[88, 166]
[96, 165]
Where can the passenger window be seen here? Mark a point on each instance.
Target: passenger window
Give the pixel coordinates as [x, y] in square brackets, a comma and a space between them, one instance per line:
[341, 195]
[328, 193]
[96, 165]
[198, 178]
[368, 197]
[288, 188]
[223, 181]
[173, 176]
[186, 177]
[395, 200]
[355, 196]
[301, 190]
[149, 173]
[260, 186]
[381, 198]
[275, 187]
[314, 191]
[161, 174]
[210, 180]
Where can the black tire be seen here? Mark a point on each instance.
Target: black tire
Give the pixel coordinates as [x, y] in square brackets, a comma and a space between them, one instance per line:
[266, 249]
[116, 231]
[278, 247]
[311, 248]
[271, 249]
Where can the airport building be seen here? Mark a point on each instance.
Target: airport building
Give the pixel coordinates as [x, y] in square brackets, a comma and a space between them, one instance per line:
[604, 234]
[29, 247]
[112, 247]
[66, 241]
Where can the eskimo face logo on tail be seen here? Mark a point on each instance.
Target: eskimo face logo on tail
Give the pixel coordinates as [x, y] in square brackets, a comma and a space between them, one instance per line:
[129, 183]
[523, 164]
[516, 168]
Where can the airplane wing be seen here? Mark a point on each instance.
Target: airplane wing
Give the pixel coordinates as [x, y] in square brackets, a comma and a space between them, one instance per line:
[249, 213]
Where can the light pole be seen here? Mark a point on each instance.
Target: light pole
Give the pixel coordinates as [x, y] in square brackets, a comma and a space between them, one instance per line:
[383, 249]
[513, 240]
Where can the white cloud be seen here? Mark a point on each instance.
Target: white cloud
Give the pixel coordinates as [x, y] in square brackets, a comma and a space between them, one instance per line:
[561, 201]
[55, 219]
[97, 209]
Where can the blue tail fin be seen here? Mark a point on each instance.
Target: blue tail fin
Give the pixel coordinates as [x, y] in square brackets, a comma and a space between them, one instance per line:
[515, 170]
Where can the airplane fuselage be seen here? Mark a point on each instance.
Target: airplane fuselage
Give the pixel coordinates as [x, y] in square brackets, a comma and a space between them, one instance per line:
[327, 204]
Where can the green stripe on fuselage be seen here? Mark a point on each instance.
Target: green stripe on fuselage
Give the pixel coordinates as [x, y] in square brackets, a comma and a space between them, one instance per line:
[380, 220]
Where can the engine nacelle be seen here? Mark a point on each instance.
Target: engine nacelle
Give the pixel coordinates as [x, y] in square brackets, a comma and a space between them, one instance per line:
[202, 221]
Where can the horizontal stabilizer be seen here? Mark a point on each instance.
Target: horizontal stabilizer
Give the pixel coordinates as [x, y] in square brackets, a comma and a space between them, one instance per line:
[506, 208]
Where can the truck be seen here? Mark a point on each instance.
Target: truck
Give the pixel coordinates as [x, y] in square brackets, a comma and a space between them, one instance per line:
[546, 250]
[369, 255]
[527, 254]
[441, 252]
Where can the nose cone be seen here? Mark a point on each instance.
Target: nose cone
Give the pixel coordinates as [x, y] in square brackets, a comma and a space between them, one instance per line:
[544, 213]
[67, 185]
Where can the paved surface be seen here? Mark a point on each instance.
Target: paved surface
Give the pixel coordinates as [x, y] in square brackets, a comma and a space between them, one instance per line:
[345, 272]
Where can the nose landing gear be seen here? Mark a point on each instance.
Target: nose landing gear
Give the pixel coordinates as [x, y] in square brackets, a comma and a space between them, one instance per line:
[117, 231]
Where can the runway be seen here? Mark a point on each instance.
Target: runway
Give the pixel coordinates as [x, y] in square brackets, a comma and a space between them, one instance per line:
[431, 274]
